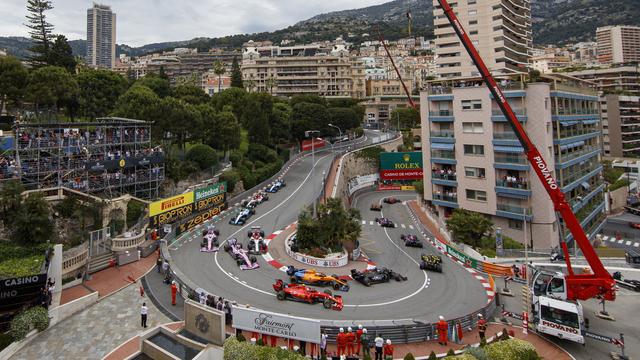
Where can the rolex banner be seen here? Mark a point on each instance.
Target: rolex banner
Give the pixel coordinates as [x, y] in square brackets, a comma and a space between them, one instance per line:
[401, 165]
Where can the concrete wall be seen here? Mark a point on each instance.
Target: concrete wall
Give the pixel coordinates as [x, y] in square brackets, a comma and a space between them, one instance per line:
[618, 198]
[65, 311]
[196, 315]
[156, 352]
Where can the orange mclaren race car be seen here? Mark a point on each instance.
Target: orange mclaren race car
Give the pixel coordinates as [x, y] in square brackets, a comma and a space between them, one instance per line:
[312, 277]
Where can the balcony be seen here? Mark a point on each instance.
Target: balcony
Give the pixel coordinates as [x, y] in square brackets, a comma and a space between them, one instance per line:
[513, 212]
[445, 200]
[441, 177]
[511, 162]
[498, 116]
[442, 134]
[441, 116]
[517, 188]
[505, 135]
[566, 160]
[443, 156]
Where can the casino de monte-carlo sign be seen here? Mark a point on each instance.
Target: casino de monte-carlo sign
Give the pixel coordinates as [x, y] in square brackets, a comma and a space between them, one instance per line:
[265, 322]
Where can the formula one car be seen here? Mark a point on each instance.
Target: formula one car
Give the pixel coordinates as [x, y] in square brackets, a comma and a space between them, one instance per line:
[376, 276]
[276, 186]
[256, 246]
[431, 262]
[312, 277]
[209, 241]
[384, 222]
[301, 293]
[242, 216]
[390, 200]
[626, 283]
[411, 240]
[256, 200]
[376, 207]
[241, 256]
[634, 225]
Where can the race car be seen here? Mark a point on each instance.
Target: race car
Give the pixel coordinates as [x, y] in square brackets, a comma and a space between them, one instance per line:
[256, 200]
[376, 276]
[384, 222]
[276, 186]
[209, 241]
[376, 207]
[312, 277]
[634, 225]
[256, 246]
[431, 262]
[242, 216]
[411, 240]
[234, 248]
[301, 293]
[391, 200]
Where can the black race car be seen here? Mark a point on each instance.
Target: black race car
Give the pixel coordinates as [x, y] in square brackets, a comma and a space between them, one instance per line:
[384, 222]
[376, 276]
[431, 262]
[411, 240]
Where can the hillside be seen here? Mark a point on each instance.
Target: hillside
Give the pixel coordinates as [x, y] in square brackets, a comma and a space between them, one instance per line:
[554, 22]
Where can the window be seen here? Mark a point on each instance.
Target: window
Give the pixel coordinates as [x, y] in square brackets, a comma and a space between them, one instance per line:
[473, 12]
[473, 32]
[471, 104]
[474, 149]
[473, 22]
[476, 42]
[477, 195]
[472, 2]
[474, 172]
[472, 128]
[516, 224]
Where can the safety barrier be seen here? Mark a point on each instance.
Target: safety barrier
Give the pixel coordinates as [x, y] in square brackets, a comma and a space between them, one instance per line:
[338, 261]
[124, 243]
[75, 259]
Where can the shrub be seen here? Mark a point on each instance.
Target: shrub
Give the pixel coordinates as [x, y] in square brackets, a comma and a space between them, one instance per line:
[512, 349]
[203, 155]
[461, 357]
[365, 357]
[451, 352]
[5, 340]
[478, 352]
[134, 211]
[237, 350]
[66, 207]
[432, 356]
[409, 356]
[37, 317]
[504, 335]
[232, 177]
[235, 157]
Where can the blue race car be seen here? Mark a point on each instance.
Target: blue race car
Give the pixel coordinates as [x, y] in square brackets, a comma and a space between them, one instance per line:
[242, 216]
[277, 185]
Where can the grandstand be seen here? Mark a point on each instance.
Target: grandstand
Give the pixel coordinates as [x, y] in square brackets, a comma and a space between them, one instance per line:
[107, 157]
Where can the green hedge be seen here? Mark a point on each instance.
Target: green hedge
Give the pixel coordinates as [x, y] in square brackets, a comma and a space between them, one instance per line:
[512, 349]
[237, 350]
[38, 317]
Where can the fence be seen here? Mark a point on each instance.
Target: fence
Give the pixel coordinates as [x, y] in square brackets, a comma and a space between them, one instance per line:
[74, 259]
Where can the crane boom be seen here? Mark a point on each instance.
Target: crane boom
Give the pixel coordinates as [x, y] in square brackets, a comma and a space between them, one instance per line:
[393, 63]
[599, 283]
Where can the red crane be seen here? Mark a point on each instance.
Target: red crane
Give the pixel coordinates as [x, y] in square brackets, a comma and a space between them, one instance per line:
[393, 63]
[579, 286]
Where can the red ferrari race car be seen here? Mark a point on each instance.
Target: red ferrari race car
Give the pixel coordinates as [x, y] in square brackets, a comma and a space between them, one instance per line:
[634, 225]
[301, 293]
[391, 200]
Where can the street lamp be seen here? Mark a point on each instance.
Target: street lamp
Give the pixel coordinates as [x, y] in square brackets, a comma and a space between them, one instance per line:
[309, 134]
[339, 131]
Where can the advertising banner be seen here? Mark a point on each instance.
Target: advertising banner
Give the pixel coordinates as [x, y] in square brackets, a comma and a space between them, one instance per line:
[462, 257]
[15, 292]
[317, 144]
[280, 325]
[401, 165]
[172, 203]
[210, 191]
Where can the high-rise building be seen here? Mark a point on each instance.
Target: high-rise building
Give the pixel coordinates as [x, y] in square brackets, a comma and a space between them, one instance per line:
[101, 36]
[478, 164]
[618, 44]
[620, 125]
[499, 29]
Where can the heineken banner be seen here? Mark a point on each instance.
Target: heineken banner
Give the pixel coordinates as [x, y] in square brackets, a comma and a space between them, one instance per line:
[401, 165]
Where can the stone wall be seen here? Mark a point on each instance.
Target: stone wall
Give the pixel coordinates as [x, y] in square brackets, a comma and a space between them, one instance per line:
[618, 199]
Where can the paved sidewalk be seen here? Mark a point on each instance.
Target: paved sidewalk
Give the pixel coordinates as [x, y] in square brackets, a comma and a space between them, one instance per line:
[95, 331]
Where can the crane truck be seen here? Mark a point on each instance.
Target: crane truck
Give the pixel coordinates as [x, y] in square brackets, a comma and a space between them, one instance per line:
[554, 295]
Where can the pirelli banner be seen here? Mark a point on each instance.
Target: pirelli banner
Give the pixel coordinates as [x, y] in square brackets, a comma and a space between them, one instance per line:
[401, 165]
[176, 208]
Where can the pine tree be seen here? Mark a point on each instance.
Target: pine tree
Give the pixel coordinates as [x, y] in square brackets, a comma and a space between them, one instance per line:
[236, 74]
[61, 54]
[39, 30]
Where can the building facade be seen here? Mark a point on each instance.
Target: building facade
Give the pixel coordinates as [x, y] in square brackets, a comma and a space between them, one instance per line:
[620, 125]
[618, 44]
[101, 37]
[613, 79]
[189, 66]
[499, 29]
[478, 164]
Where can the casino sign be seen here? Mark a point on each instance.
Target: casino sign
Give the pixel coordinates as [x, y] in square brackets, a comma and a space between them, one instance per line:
[401, 165]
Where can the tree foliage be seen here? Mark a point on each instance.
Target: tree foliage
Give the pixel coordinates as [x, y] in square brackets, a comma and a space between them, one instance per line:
[99, 91]
[334, 227]
[61, 54]
[159, 85]
[32, 224]
[40, 31]
[236, 74]
[409, 117]
[50, 86]
[203, 155]
[469, 227]
[256, 117]
[13, 81]
[190, 94]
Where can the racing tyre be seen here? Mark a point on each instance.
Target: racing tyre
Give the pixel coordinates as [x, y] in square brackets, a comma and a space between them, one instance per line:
[249, 233]
[217, 232]
[244, 203]
[327, 303]
[328, 292]
[402, 237]
[422, 265]
[366, 282]
[253, 259]
[239, 262]
[294, 280]
[281, 295]
[227, 247]
[261, 233]
[336, 286]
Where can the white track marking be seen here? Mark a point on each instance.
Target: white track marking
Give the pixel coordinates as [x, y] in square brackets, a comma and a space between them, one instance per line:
[628, 243]
[636, 244]
[411, 227]
[370, 222]
[364, 222]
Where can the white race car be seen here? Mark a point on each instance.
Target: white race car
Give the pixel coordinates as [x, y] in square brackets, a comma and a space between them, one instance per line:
[277, 185]
[242, 216]
[257, 245]
[257, 199]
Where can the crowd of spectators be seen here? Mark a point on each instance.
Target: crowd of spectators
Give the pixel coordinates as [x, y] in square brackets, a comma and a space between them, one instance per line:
[448, 174]
[8, 168]
[58, 137]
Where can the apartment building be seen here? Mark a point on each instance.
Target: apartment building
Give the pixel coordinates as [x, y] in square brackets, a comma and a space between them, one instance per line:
[101, 36]
[612, 79]
[499, 29]
[190, 66]
[620, 125]
[384, 96]
[305, 72]
[618, 44]
[478, 164]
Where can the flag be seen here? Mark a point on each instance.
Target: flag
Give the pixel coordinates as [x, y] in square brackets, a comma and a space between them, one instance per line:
[492, 283]
[459, 331]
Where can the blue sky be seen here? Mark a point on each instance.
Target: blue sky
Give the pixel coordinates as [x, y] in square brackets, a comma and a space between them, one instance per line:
[141, 22]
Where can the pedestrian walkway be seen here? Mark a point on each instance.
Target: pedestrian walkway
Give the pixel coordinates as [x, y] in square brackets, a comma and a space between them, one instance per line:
[95, 331]
[160, 295]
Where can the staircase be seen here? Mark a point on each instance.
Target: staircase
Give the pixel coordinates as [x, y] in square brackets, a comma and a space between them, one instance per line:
[99, 262]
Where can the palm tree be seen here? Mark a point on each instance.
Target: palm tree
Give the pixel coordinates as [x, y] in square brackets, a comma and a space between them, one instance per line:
[270, 83]
[218, 69]
[249, 84]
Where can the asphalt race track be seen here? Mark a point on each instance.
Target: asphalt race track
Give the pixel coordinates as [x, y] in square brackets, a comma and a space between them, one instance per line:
[423, 297]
